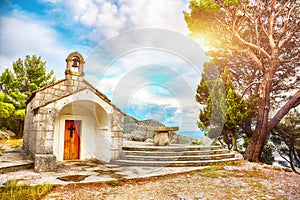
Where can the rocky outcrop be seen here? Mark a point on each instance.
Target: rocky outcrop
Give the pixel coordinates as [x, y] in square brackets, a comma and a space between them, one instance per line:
[179, 139]
[7, 134]
[139, 135]
[137, 130]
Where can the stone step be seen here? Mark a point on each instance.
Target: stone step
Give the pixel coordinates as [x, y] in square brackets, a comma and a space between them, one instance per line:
[170, 163]
[173, 156]
[172, 148]
[16, 167]
[179, 158]
[12, 160]
[175, 153]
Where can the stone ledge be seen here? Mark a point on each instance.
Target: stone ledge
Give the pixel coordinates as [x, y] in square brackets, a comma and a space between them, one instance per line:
[162, 128]
[16, 167]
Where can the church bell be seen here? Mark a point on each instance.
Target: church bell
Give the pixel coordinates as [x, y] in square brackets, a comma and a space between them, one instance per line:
[75, 62]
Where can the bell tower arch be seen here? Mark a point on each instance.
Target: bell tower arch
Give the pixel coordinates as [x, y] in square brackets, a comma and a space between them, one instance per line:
[75, 64]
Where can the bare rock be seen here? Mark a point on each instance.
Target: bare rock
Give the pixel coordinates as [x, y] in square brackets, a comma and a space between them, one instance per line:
[202, 141]
[179, 139]
[11, 133]
[128, 137]
[132, 125]
[238, 155]
[149, 140]
[139, 135]
[238, 168]
[4, 135]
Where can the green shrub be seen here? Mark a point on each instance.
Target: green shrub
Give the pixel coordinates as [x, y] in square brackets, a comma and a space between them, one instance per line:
[267, 154]
[114, 183]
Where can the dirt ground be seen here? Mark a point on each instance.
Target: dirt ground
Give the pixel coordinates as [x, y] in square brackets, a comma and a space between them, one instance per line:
[243, 181]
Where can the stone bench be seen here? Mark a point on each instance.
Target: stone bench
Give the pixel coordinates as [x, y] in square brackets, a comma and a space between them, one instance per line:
[161, 134]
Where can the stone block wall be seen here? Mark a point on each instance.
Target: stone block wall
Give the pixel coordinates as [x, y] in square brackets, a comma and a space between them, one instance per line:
[40, 121]
[117, 129]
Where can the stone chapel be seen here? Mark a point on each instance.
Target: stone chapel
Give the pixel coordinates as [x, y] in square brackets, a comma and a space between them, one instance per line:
[71, 120]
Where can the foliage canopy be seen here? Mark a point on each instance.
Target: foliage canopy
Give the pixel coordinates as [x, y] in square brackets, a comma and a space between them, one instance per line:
[258, 43]
[17, 85]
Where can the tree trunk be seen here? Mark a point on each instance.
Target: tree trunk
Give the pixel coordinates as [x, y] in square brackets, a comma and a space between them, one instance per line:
[21, 129]
[291, 159]
[256, 142]
[296, 156]
[234, 145]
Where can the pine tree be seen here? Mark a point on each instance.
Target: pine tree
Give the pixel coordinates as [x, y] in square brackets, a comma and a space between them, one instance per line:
[223, 111]
[286, 138]
[258, 42]
[16, 86]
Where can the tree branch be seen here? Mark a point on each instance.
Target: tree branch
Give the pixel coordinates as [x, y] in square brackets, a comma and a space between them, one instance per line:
[249, 44]
[271, 24]
[253, 83]
[289, 36]
[281, 9]
[288, 15]
[259, 17]
[256, 59]
[292, 103]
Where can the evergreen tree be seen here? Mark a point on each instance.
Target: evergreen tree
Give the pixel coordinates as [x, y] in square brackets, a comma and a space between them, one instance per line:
[258, 42]
[286, 138]
[16, 86]
[222, 106]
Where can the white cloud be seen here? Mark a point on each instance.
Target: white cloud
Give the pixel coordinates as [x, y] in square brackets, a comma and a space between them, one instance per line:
[21, 35]
[145, 94]
[148, 82]
[108, 19]
[134, 62]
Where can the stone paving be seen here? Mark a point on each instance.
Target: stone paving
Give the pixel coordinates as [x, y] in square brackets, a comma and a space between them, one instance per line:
[13, 160]
[86, 171]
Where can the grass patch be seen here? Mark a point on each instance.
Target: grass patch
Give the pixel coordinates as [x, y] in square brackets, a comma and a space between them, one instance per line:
[215, 175]
[255, 174]
[114, 183]
[212, 172]
[13, 143]
[277, 168]
[217, 171]
[14, 191]
[230, 163]
[199, 143]
[212, 168]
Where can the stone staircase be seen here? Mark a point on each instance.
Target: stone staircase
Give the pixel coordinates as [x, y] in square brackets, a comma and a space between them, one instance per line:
[12, 160]
[174, 156]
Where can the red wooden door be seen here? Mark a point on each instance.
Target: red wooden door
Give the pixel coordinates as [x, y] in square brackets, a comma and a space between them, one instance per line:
[72, 139]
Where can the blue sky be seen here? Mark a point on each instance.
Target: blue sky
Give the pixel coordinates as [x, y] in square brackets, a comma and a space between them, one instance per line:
[160, 84]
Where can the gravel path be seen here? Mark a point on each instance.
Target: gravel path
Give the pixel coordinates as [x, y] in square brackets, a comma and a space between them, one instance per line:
[245, 181]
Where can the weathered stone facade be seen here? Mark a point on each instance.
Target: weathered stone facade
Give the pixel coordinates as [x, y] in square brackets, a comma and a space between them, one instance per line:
[73, 98]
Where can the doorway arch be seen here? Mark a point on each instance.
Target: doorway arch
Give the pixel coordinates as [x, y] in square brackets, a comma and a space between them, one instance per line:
[92, 123]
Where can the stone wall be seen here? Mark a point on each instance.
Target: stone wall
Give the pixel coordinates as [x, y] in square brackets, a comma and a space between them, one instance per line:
[40, 117]
[117, 129]
[39, 121]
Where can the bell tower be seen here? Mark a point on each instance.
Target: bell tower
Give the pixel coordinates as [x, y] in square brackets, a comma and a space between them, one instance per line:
[75, 64]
